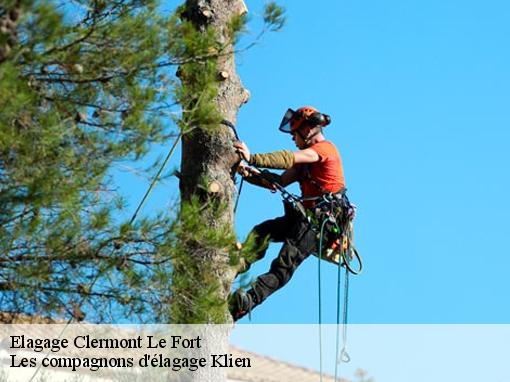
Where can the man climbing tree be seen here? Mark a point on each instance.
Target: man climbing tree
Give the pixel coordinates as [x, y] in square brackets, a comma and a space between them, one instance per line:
[317, 167]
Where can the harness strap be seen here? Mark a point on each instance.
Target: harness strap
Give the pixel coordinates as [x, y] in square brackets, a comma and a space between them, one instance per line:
[340, 193]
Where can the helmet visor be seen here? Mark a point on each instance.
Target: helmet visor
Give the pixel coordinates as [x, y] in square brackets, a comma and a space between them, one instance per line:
[285, 123]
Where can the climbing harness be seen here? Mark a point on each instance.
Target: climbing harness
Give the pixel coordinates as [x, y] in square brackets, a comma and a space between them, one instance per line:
[337, 211]
[328, 208]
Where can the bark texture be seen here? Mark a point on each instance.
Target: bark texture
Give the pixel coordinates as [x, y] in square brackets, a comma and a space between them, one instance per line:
[210, 156]
[207, 155]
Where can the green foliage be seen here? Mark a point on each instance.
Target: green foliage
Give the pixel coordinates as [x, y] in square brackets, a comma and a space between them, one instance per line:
[241, 260]
[77, 94]
[237, 27]
[247, 254]
[197, 277]
[274, 16]
[198, 54]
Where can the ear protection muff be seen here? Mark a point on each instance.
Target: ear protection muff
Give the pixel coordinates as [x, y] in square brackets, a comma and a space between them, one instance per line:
[318, 119]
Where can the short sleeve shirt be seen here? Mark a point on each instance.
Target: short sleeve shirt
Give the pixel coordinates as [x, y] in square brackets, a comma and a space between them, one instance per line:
[325, 175]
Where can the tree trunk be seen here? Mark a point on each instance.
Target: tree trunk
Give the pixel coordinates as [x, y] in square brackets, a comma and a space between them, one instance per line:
[210, 156]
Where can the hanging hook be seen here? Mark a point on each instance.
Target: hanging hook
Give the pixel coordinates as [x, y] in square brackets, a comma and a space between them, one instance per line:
[344, 356]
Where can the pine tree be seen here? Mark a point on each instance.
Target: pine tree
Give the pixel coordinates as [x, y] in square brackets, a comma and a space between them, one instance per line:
[89, 84]
[81, 88]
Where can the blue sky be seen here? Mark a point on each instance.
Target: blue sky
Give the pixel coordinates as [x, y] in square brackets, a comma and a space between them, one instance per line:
[418, 93]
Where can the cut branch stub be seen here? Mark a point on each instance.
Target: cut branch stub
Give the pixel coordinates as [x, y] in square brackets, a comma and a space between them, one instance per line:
[214, 187]
[8, 31]
[206, 13]
[80, 117]
[223, 75]
[77, 68]
[246, 95]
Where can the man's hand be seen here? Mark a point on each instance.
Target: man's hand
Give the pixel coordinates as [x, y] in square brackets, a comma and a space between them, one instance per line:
[245, 170]
[251, 174]
[242, 150]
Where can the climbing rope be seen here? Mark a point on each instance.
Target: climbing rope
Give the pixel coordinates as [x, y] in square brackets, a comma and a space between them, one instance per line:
[156, 178]
[238, 195]
[346, 251]
[342, 355]
[323, 225]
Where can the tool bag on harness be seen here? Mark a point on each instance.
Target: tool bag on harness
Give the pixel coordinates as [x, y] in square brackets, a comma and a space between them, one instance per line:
[336, 213]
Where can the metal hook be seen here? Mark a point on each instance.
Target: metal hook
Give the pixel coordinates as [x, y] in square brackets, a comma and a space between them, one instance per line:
[344, 356]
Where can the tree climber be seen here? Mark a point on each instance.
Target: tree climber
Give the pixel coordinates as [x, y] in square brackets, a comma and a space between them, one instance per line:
[317, 167]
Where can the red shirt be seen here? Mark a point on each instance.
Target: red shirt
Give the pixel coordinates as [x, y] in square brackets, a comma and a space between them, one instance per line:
[324, 176]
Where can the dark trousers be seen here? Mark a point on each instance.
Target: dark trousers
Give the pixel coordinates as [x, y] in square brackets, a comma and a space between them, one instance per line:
[299, 242]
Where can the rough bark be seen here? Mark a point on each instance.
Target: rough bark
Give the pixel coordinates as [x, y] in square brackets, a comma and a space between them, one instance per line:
[210, 155]
[205, 154]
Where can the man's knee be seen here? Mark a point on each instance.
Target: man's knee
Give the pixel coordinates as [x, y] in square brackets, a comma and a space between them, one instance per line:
[263, 229]
[284, 266]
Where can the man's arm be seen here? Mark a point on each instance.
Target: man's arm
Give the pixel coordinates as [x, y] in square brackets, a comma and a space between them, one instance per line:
[306, 156]
[254, 177]
[284, 159]
[289, 176]
[266, 179]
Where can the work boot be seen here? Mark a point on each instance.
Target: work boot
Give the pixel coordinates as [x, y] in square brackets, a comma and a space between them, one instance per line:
[240, 303]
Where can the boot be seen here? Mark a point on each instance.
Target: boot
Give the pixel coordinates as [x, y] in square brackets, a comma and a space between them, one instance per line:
[240, 304]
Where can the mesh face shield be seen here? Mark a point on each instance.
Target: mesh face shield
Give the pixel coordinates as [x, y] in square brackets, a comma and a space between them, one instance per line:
[285, 123]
